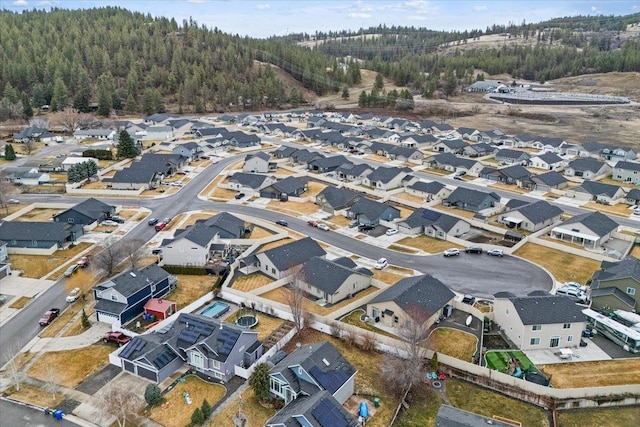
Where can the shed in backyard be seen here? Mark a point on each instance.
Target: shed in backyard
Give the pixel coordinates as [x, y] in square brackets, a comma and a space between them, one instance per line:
[160, 308]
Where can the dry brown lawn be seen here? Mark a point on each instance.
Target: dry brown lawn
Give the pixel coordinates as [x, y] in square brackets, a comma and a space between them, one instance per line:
[257, 415]
[57, 176]
[72, 366]
[594, 374]
[511, 188]
[280, 295]
[251, 282]
[635, 252]
[190, 288]
[339, 220]
[20, 302]
[453, 342]
[163, 189]
[404, 211]
[259, 233]
[211, 186]
[387, 276]
[38, 215]
[454, 211]
[427, 244]
[376, 158]
[198, 217]
[37, 266]
[620, 209]
[284, 172]
[410, 198]
[562, 265]
[610, 417]
[35, 396]
[175, 412]
[314, 188]
[223, 193]
[10, 209]
[266, 324]
[76, 328]
[404, 249]
[293, 208]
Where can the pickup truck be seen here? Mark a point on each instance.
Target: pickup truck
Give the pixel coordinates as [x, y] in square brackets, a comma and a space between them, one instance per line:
[160, 226]
[116, 337]
[49, 316]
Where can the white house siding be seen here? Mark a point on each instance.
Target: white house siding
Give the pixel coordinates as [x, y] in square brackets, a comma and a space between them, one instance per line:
[354, 283]
[526, 224]
[185, 252]
[255, 165]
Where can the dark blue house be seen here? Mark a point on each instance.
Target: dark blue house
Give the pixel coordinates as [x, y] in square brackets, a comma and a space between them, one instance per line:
[122, 298]
[86, 212]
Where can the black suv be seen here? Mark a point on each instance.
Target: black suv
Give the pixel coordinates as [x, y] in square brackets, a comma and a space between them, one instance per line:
[364, 227]
[473, 250]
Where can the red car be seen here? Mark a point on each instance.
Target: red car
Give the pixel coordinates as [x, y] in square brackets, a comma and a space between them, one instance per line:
[160, 226]
[49, 316]
[116, 337]
[83, 262]
[312, 223]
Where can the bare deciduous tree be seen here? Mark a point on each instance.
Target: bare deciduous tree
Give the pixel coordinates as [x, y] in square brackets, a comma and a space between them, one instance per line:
[132, 251]
[7, 190]
[39, 122]
[120, 402]
[51, 383]
[294, 295]
[29, 145]
[71, 119]
[11, 355]
[107, 258]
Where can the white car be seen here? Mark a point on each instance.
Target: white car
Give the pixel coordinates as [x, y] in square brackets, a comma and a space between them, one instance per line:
[451, 252]
[391, 232]
[575, 285]
[109, 223]
[73, 295]
[381, 264]
[323, 227]
[13, 201]
[495, 252]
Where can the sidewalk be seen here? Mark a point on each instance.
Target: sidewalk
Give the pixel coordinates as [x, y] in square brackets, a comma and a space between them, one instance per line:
[85, 339]
[15, 287]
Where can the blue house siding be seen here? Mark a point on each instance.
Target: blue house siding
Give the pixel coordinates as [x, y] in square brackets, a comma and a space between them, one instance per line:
[136, 302]
[73, 217]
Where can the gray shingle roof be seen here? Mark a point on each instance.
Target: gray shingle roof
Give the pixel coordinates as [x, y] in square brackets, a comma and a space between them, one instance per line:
[427, 187]
[546, 310]
[370, 208]
[426, 291]
[131, 281]
[42, 231]
[133, 175]
[448, 416]
[294, 253]
[508, 153]
[469, 196]
[454, 144]
[92, 208]
[226, 225]
[260, 154]
[251, 180]
[290, 184]
[550, 158]
[598, 188]
[320, 410]
[515, 172]
[627, 268]
[430, 218]
[551, 178]
[632, 166]
[453, 160]
[326, 275]
[339, 198]
[587, 164]
[386, 174]
[634, 194]
[595, 221]
[538, 212]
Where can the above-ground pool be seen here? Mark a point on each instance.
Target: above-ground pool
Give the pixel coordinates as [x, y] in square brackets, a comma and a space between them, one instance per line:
[247, 321]
[216, 310]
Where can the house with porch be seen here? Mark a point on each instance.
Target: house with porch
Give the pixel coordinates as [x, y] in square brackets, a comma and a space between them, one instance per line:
[350, 172]
[587, 168]
[371, 212]
[508, 175]
[539, 320]
[331, 281]
[100, 134]
[590, 230]
[327, 164]
[259, 162]
[333, 199]
[291, 186]
[419, 300]
[549, 144]
[249, 182]
[547, 161]
[434, 224]
[38, 238]
[480, 149]
[600, 192]
[122, 297]
[628, 172]
[508, 155]
[452, 163]
[616, 286]
[88, 212]
[386, 178]
[428, 190]
[133, 178]
[532, 217]
[454, 146]
[282, 261]
[471, 200]
[548, 181]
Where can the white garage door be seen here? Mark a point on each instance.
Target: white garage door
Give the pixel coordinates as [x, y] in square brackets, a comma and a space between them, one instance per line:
[107, 318]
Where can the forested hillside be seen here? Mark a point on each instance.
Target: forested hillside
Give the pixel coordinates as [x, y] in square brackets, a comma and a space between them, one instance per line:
[130, 61]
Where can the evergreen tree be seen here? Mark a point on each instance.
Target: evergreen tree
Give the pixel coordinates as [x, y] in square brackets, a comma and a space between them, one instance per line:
[9, 152]
[130, 105]
[60, 93]
[259, 382]
[379, 82]
[205, 408]
[27, 110]
[197, 418]
[363, 99]
[85, 319]
[152, 394]
[126, 146]
[345, 93]
[105, 94]
[82, 100]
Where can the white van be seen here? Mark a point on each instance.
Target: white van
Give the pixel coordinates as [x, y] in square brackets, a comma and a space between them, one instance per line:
[574, 294]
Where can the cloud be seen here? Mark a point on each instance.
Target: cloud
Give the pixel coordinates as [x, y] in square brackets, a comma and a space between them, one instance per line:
[198, 1]
[417, 18]
[20, 3]
[595, 9]
[480, 8]
[44, 3]
[358, 15]
[263, 6]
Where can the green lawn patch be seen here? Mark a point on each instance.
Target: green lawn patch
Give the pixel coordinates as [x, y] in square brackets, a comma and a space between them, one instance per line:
[499, 361]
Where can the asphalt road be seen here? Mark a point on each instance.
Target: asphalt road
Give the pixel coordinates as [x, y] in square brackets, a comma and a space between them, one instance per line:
[15, 415]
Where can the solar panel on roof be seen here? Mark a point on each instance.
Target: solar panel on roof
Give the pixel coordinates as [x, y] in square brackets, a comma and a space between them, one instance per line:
[331, 380]
[188, 336]
[134, 345]
[328, 415]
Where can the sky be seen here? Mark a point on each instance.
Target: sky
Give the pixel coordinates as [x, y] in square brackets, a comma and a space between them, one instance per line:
[264, 18]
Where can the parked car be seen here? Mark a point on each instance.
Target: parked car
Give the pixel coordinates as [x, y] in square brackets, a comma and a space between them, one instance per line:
[573, 293]
[152, 221]
[468, 299]
[575, 285]
[240, 196]
[13, 201]
[176, 184]
[451, 252]
[83, 262]
[109, 223]
[473, 250]
[458, 177]
[167, 220]
[49, 316]
[156, 251]
[73, 295]
[116, 337]
[282, 222]
[323, 227]
[391, 232]
[366, 227]
[381, 264]
[312, 223]
[495, 252]
[117, 218]
[72, 269]
[160, 226]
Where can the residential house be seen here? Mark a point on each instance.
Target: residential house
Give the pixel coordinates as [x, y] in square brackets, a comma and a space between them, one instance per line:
[281, 261]
[30, 133]
[470, 134]
[480, 149]
[617, 154]
[278, 130]
[434, 224]
[547, 161]
[71, 161]
[626, 172]
[633, 196]
[327, 164]
[227, 119]
[163, 164]
[587, 149]
[283, 152]
[616, 286]
[549, 144]
[452, 163]
[507, 155]
[386, 178]
[249, 182]
[101, 134]
[304, 156]
[211, 348]
[548, 181]
[449, 416]
[157, 133]
[591, 230]
[350, 172]
[371, 212]
[484, 86]
[158, 118]
[507, 175]
[419, 300]
[406, 154]
[599, 192]
[318, 409]
[180, 126]
[210, 131]
[332, 199]
[88, 212]
[38, 238]
[259, 162]
[133, 178]
[27, 176]
[418, 141]
[442, 129]
[587, 168]
[192, 246]
[472, 200]
[306, 372]
[454, 146]
[428, 190]
[240, 139]
[189, 150]
[532, 217]
[525, 140]
[122, 297]
[539, 320]
[333, 281]
[291, 186]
